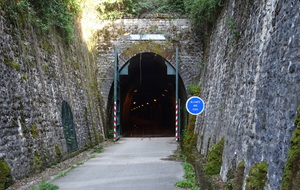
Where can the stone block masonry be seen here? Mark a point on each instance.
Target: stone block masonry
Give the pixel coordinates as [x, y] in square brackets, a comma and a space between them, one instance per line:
[112, 35]
[37, 74]
[251, 85]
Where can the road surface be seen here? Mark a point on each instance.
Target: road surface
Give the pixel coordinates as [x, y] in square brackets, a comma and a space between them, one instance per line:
[130, 164]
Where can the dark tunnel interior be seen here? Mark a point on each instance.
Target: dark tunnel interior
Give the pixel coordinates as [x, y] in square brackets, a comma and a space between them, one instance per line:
[147, 97]
[147, 94]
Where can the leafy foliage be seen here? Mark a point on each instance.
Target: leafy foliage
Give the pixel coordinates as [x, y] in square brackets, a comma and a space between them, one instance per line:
[115, 9]
[203, 13]
[45, 14]
[189, 174]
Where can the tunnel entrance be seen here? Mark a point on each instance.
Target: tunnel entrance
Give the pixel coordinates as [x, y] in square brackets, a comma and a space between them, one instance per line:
[147, 96]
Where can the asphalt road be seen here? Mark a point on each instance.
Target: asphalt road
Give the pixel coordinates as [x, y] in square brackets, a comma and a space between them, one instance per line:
[130, 164]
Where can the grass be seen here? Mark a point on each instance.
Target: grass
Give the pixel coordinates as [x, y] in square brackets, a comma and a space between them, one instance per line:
[189, 175]
[98, 150]
[45, 186]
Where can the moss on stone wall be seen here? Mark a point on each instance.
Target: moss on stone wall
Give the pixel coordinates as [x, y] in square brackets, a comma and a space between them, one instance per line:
[5, 177]
[239, 176]
[57, 151]
[13, 64]
[235, 179]
[291, 176]
[34, 131]
[257, 176]
[214, 158]
[190, 138]
[37, 163]
[194, 89]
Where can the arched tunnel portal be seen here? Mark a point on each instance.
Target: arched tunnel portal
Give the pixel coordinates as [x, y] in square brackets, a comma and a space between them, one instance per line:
[147, 96]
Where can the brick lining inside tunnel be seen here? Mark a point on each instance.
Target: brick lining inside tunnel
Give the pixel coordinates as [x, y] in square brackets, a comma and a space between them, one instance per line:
[148, 97]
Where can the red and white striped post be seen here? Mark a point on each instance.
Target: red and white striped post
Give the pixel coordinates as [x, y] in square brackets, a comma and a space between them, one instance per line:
[115, 121]
[176, 121]
[176, 99]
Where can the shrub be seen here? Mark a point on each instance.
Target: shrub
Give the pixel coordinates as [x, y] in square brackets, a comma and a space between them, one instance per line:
[45, 14]
[203, 13]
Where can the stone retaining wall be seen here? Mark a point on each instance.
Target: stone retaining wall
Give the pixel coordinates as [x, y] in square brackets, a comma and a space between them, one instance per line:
[251, 85]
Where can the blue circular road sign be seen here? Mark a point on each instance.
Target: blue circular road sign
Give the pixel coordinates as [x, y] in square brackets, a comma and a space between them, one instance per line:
[195, 105]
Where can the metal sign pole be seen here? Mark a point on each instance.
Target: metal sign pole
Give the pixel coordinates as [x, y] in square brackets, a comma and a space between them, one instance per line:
[176, 107]
[115, 94]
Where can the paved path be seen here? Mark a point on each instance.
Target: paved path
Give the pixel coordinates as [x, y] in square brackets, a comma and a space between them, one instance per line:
[130, 164]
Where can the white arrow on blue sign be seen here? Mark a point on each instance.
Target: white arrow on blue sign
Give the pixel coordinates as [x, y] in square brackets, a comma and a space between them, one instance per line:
[195, 105]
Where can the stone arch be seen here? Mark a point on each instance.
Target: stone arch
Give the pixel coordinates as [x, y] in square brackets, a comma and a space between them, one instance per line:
[166, 50]
[157, 93]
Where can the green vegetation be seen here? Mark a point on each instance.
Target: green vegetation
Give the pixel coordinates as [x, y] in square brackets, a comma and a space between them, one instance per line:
[257, 176]
[45, 186]
[111, 134]
[37, 163]
[64, 173]
[23, 78]
[57, 151]
[189, 151]
[190, 138]
[291, 176]
[45, 14]
[189, 174]
[231, 23]
[203, 13]
[13, 64]
[239, 176]
[98, 150]
[5, 177]
[214, 158]
[235, 179]
[194, 89]
[34, 131]
[115, 9]
[46, 68]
